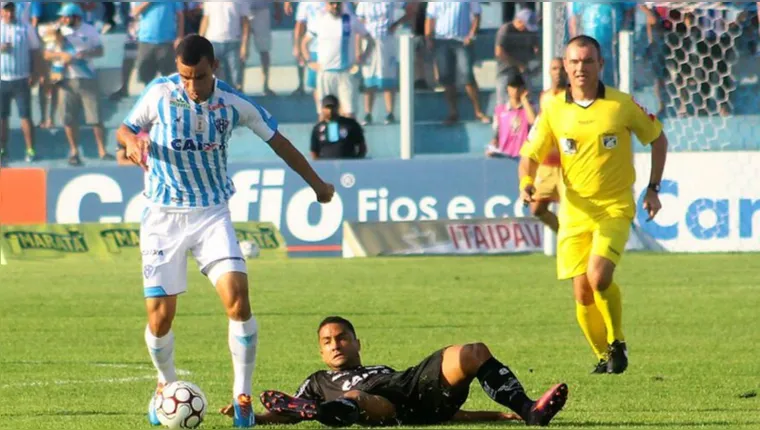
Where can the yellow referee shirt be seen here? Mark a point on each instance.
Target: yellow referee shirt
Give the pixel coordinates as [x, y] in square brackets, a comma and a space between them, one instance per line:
[595, 149]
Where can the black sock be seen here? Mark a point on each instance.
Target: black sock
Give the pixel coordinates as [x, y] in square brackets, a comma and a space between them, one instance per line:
[341, 412]
[502, 386]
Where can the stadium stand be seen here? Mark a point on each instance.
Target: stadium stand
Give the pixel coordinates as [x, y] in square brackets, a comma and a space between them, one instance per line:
[701, 131]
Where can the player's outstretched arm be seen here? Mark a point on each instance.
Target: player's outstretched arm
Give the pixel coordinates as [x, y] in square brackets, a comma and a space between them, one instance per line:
[484, 417]
[293, 157]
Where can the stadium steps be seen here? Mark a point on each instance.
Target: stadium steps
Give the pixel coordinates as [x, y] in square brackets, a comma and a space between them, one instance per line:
[737, 133]
[383, 142]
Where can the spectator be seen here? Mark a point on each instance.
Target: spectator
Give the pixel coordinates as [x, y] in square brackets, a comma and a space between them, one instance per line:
[80, 84]
[226, 25]
[603, 22]
[261, 11]
[337, 62]
[193, 12]
[416, 15]
[336, 136]
[162, 26]
[23, 11]
[381, 71]
[450, 30]
[516, 44]
[657, 51]
[128, 63]
[512, 121]
[44, 17]
[299, 31]
[19, 67]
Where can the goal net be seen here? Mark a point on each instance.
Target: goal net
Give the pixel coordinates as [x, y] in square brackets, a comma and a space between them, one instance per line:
[695, 64]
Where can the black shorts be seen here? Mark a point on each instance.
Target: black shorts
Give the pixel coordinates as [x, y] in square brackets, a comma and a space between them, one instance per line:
[20, 91]
[421, 395]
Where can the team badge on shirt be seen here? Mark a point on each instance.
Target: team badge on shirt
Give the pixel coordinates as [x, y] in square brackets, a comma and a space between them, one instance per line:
[222, 125]
[610, 141]
[569, 146]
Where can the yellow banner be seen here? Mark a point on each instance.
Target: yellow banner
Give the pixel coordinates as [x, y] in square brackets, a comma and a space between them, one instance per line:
[111, 241]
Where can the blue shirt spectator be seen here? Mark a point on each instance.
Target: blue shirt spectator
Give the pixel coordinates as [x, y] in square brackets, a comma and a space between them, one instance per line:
[158, 23]
[44, 12]
[602, 21]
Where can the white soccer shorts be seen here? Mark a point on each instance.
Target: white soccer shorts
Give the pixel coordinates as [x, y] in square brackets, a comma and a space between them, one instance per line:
[166, 236]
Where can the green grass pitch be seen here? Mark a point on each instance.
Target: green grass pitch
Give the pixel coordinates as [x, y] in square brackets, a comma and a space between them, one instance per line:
[72, 354]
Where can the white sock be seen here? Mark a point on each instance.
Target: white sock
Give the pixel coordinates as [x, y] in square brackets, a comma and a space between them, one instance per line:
[243, 337]
[162, 353]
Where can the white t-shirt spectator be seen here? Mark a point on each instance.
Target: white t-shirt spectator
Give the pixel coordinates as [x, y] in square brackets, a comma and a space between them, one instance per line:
[336, 35]
[83, 38]
[224, 20]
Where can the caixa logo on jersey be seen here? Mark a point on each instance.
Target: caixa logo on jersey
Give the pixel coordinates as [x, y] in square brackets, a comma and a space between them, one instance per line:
[193, 145]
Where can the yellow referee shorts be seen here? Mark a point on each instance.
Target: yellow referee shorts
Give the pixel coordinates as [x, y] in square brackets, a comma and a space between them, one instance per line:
[605, 238]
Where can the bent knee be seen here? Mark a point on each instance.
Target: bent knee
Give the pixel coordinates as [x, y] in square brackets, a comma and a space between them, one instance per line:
[159, 323]
[476, 353]
[599, 280]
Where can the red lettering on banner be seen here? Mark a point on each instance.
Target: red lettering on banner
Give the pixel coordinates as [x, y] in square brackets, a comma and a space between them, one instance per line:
[519, 236]
[504, 235]
[463, 230]
[480, 238]
[534, 234]
[453, 236]
[491, 235]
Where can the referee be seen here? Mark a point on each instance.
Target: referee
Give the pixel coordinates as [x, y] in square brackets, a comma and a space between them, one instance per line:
[591, 125]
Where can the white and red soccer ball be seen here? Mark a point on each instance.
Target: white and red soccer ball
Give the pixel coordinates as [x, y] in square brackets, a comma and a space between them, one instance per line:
[180, 405]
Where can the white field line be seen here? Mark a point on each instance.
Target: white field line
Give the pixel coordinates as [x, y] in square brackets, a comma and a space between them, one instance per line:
[180, 372]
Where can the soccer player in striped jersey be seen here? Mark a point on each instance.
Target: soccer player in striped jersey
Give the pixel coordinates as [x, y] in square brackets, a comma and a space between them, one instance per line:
[191, 116]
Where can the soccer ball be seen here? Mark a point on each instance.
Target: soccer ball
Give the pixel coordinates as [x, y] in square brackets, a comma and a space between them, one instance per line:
[249, 249]
[180, 405]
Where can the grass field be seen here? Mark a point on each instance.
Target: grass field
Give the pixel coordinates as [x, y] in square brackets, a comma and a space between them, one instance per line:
[72, 354]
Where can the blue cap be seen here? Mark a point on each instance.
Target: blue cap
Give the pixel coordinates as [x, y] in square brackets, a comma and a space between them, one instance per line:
[70, 9]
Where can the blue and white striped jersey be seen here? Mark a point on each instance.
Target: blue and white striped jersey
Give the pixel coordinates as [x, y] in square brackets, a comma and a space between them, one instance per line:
[378, 16]
[17, 62]
[453, 19]
[336, 35]
[188, 153]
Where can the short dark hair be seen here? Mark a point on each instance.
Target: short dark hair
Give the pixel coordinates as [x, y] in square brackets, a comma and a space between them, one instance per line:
[516, 81]
[337, 320]
[584, 40]
[9, 6]
[194, 48]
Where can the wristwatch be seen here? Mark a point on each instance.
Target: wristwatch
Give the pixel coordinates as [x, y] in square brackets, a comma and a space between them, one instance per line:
[654, 187]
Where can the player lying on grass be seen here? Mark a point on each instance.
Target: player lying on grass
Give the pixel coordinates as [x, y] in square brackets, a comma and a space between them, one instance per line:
[430, 393]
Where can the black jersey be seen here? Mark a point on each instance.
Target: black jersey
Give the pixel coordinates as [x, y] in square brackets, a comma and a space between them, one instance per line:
[325, 386]
[419, 393]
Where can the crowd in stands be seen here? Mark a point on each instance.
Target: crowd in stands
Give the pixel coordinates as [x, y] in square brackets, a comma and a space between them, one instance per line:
[52, 45]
